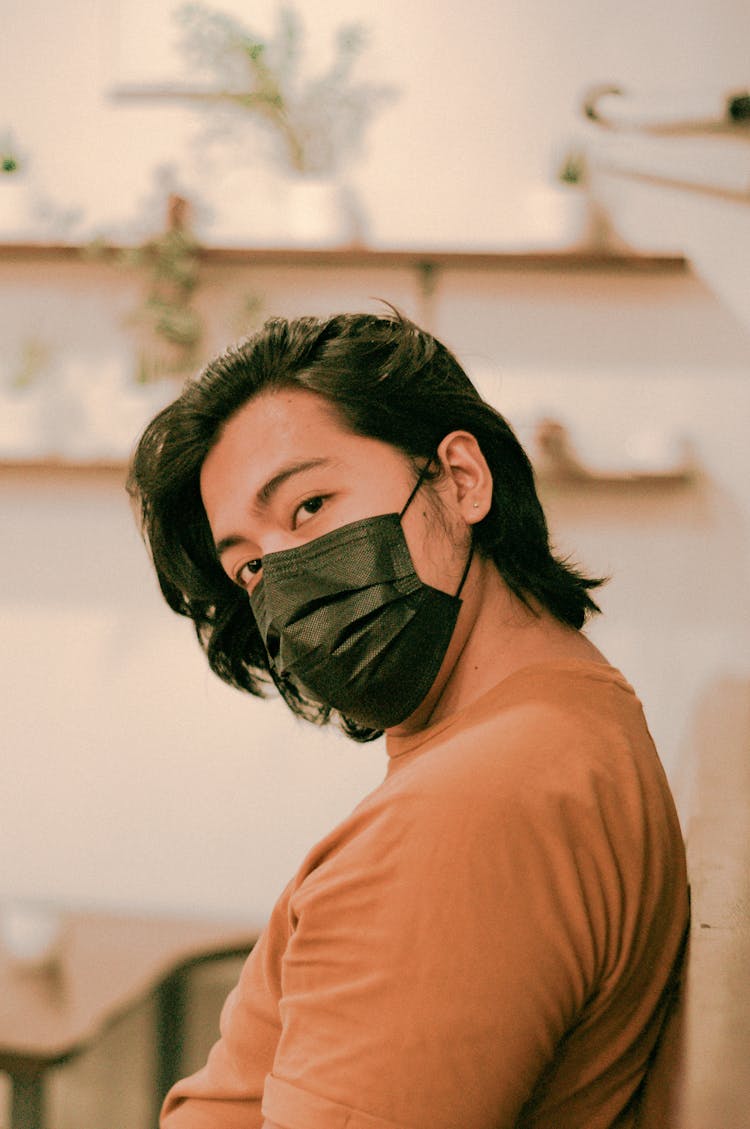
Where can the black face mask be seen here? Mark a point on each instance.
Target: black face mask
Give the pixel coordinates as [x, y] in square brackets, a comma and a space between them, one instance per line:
[348, 622]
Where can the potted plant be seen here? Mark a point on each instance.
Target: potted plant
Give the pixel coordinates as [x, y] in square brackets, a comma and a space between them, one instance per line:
[588, 220]
[14, 211]
[315, 123]
[10, 162]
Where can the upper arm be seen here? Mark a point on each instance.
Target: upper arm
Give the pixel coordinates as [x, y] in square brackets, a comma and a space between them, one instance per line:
[425, 981]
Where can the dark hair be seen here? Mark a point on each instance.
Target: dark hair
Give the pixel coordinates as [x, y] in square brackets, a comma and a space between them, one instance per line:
[389, 380]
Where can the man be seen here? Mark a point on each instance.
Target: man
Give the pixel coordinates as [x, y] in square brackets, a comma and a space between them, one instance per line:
[490, 939]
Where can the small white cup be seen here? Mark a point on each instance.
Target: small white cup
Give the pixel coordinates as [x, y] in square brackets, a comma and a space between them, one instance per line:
[31, 934]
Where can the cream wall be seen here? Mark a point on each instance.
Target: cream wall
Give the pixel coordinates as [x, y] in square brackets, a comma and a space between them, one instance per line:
[129, 776]
[488, 106]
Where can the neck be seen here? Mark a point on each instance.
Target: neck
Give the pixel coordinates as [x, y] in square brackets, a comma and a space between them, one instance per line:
[496, 634]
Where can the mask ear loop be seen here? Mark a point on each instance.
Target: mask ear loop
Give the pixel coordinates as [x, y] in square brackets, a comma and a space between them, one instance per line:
[409, 500]
[469, 559]
[417, 484]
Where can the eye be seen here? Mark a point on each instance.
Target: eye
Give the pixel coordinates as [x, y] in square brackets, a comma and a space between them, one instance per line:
[247, 572]
[308, 509]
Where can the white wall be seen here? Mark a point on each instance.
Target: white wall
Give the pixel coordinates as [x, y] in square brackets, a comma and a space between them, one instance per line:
[489, 95]
[128, 775]
[628, 364]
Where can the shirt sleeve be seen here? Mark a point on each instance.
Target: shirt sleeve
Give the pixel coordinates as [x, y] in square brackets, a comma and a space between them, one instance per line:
[227, 1092]
[427, 979]
[479, 937]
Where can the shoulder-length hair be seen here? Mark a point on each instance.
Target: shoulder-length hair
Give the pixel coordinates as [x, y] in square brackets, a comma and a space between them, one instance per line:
[388, 380]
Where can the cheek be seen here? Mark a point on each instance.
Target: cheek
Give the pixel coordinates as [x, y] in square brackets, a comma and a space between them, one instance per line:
[437, 548]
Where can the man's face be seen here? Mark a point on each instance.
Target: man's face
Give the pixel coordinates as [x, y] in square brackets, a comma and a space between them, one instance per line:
[286, 470]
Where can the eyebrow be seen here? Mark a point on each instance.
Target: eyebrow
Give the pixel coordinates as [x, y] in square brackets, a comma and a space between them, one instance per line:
[265, 494]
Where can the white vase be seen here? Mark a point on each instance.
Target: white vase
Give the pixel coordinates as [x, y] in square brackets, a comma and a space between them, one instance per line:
[32, 935]
[19, 424]
[244, 210]
[117, 410]
[315, 213]
[252, 208]
[14, 208]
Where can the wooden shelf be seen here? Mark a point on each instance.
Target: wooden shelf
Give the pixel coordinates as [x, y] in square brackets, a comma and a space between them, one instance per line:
[406, 258]
[46, 466]
[554, 458]
[558, 462]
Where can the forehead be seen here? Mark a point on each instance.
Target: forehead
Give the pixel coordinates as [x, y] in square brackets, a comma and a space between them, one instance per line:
[273, 430]
[290, 418]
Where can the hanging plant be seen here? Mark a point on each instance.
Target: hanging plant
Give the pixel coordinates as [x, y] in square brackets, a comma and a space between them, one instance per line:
[174, 329]
[171, 329]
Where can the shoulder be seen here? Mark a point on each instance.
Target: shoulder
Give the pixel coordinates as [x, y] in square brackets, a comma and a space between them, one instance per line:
[557, 761]
[548, 727]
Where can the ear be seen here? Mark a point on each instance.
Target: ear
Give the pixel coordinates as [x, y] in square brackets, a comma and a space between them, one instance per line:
[466, 474]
